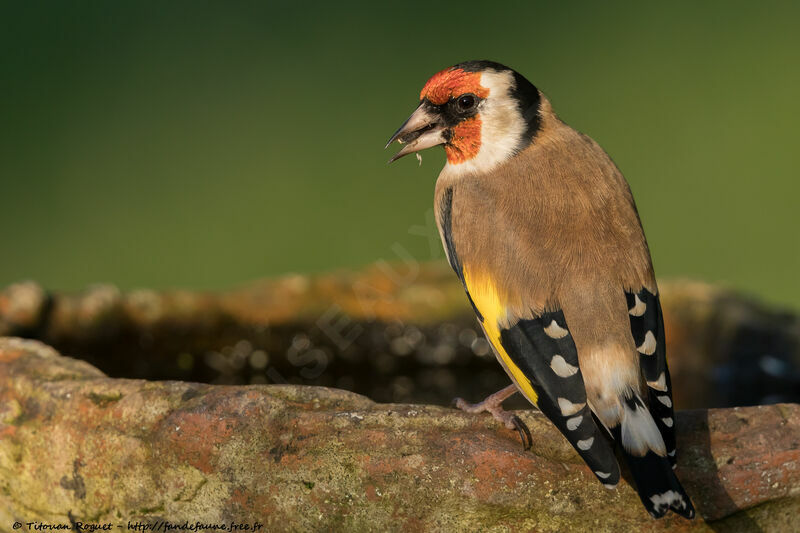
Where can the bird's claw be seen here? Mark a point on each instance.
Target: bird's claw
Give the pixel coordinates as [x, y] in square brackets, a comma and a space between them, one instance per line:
[509, 420]
[524, 432]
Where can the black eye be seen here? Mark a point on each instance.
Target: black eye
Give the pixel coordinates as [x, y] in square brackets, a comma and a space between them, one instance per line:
[466, 102]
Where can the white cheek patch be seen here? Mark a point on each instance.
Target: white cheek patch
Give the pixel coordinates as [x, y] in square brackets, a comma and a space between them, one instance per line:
[502, 126]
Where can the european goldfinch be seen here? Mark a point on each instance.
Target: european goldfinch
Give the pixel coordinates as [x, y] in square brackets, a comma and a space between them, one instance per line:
[541, 229]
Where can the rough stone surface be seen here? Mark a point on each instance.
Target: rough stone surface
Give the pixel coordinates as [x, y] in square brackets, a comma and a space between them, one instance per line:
[401, 333]
[77, 445]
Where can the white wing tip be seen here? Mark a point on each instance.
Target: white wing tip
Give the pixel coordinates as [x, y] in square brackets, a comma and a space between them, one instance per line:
[554, 331]
[638, 308]
[648, 347]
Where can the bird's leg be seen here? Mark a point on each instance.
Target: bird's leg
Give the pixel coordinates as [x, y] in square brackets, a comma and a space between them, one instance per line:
[494, 404]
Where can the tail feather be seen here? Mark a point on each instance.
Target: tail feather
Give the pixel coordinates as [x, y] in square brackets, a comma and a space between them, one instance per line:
[656, 483]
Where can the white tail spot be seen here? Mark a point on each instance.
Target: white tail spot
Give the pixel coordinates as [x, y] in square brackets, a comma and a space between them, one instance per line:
[667, 499]
[672, 453]
[609, 486]
[574, 422]
[667, 422]
[665, 400]
[568, 408]
[639, 431]
[562, 368]
[554, 331]
[648, 347]
[586, 444]
[602, 475]
[638, 308]
[659, 384]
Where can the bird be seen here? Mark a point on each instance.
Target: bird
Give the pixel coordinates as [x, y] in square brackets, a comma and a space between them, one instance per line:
[541, 228]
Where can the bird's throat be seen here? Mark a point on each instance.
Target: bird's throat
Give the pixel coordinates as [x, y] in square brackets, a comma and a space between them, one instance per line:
[465, 142]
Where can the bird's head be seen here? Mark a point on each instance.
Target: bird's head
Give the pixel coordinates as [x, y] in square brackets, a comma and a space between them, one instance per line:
[481, 111]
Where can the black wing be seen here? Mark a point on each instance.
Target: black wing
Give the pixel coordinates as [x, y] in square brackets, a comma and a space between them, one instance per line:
[647, 327]
[543, 350]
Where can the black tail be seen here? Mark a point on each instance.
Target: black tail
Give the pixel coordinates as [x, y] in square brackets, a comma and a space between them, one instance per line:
[656, 483]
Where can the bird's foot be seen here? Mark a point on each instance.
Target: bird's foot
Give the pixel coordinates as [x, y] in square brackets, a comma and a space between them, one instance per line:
[493, 405]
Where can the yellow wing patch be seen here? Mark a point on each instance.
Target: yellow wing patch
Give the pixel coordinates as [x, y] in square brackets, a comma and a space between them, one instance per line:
[484, 295]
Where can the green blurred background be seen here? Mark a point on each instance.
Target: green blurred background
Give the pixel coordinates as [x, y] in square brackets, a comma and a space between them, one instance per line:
[204, 144]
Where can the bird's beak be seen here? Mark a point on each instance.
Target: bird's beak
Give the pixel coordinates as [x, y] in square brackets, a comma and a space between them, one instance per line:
[423, 129]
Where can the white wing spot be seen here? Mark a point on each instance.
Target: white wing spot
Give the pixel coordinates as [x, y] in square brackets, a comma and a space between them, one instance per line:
[586, 444]
[562, 368]
[574, 422]
[602, 475]
[659, 384]
[648, 347]
[554, 331]
[665, 400]
[568, 408]
[667, 422]
[638, 308]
